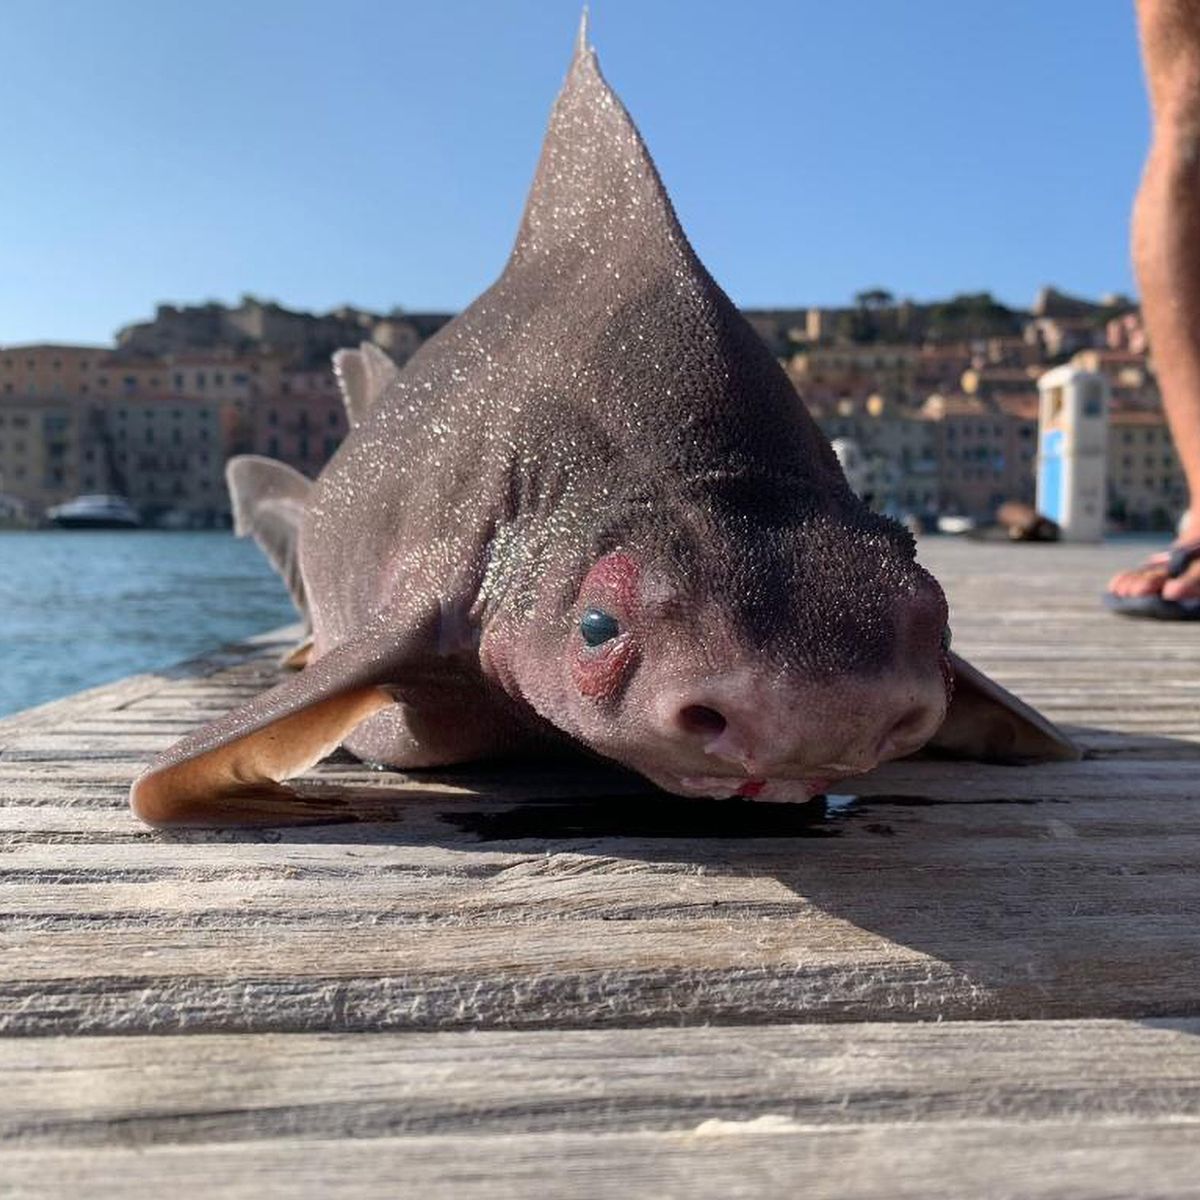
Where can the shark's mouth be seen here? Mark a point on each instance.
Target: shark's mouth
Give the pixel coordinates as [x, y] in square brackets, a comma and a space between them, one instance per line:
[727, 787]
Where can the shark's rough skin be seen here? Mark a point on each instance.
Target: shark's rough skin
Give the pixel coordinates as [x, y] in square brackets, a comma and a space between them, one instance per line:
[599, 444]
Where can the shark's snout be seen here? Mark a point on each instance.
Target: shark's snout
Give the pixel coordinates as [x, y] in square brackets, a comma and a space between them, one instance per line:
[748, 716]
[763, 727]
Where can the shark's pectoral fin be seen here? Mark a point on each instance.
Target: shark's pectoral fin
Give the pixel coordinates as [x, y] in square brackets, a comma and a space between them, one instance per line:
[363, 376]
[988, 723]
[231, 771]
[297, 658]
[238, 782]
[269, 500]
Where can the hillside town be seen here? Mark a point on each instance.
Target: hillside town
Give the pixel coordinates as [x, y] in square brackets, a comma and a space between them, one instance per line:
[938, 401]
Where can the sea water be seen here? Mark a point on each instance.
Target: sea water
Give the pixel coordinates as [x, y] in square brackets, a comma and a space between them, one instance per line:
[78, 608]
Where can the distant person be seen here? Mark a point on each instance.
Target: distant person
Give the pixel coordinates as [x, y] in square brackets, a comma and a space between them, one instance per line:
[1166, 256]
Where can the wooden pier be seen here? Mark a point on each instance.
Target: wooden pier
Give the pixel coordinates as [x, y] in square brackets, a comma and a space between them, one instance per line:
[548, 981]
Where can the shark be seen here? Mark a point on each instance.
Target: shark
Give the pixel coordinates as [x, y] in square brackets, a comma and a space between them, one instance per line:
[591, 514]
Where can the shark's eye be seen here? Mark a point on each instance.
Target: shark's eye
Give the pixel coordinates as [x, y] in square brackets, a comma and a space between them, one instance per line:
[946, 638]
[596, 627]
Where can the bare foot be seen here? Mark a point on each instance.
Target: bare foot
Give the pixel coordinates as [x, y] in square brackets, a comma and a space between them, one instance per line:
[1151, 578]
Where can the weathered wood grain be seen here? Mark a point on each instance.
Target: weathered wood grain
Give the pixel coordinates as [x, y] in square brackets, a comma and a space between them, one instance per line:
[1014, 1109]
[136, 1091]
[770, 1158]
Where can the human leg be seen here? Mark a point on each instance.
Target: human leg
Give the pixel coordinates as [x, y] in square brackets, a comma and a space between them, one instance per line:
[1166, 254]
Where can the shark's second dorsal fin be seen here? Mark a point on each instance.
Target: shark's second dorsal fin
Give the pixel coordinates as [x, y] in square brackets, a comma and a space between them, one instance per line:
[363, 375]
[597, 189]
[268, 500]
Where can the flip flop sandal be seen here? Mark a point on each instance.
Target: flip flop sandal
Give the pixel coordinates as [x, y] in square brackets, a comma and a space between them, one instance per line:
[1176, 560]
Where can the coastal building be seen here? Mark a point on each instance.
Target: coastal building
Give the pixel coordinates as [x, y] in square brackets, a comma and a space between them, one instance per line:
[1146, 485]
[1127, 332]
[1057, 337]
[898, 452]
[48, 371]
[302, 423]
[880, 367]
[975, 473]
[162, 454]
[262, 326]
[938, 398]
[39, 451]
[990, 382]
[1125, 370]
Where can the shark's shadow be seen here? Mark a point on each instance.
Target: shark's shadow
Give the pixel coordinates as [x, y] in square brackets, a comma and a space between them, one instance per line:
[1059, 890]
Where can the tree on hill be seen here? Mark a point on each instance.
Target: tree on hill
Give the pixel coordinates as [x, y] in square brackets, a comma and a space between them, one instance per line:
[874, 298]
[972, 315]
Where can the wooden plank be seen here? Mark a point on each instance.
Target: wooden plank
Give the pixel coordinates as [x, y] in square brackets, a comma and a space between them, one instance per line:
[766, 1158]
[926, 910]
[138, 1091]
[1038, 1109]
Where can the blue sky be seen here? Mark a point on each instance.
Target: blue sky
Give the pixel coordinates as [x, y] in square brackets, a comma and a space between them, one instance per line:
[378, 153]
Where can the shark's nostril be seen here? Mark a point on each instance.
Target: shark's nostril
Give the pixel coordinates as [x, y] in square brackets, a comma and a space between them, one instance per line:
[701, 720]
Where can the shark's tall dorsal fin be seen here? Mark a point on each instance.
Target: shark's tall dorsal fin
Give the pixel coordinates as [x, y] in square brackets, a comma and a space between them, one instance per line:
[268, 499]
[363, 375]
[596, 186]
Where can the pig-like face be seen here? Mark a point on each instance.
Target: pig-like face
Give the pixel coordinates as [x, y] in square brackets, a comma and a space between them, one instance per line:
[770, 671]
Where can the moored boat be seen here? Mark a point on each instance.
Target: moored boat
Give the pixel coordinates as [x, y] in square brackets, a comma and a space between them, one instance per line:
[95, 512]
